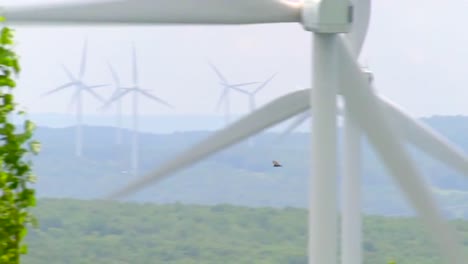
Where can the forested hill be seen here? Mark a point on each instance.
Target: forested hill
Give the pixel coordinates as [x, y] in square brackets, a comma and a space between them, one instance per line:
[82, 232]
[241, 175]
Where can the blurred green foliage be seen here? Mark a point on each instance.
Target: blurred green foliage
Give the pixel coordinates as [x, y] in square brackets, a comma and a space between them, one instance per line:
[16, 197]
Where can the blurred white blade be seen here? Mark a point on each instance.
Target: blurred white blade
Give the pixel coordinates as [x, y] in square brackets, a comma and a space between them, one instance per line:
[158, 12]
[266, 116]
[360, 25]
[157, 99]
[425, 138]
[61, 87]
[367, 111]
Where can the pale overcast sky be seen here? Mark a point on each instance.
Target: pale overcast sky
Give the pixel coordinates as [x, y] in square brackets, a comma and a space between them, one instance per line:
[417, 51]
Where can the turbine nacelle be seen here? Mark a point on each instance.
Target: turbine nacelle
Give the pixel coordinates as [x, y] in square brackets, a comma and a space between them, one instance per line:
[333, 16]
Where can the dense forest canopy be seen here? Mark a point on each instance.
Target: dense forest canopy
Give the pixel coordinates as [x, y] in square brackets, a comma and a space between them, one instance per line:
[73, 231]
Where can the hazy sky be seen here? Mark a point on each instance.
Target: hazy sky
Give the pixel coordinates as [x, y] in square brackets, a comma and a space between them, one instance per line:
[417, 52]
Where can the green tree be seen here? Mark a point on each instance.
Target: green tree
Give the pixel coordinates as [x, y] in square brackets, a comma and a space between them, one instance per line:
[16, 195]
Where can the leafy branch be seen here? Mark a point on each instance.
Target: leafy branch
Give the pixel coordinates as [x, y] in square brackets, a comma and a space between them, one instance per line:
[16, 195]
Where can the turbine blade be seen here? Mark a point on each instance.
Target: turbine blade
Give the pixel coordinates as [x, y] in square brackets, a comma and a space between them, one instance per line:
[215, 69]
[97, 86]
[425, 138]
[265, 83]
[94, 94]
[158, 12]
[119, 95]
[161, 101]
[367, 111]
[135, 66]
[68, 73]
[83, 58]
[115, 77]
[115, 96]
[266, 116]
[240, 84]
[117, 92]
[61, 87]
[236, 89]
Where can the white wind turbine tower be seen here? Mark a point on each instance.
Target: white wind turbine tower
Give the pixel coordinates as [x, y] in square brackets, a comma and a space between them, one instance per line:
[77, 97]
[338, 28]
[224, 97]
[136, 90]
[351, 225]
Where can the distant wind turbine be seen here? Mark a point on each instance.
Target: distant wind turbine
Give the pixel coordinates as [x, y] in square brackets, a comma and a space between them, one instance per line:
[77, 97]
[136, 90]
[226, 86]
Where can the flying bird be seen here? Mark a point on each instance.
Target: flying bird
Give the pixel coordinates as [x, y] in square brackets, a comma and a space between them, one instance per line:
[276, 164]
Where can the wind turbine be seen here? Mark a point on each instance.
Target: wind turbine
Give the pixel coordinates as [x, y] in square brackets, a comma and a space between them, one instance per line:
[338, 30]
[224, 97]
[136, 90]
[77, 97]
